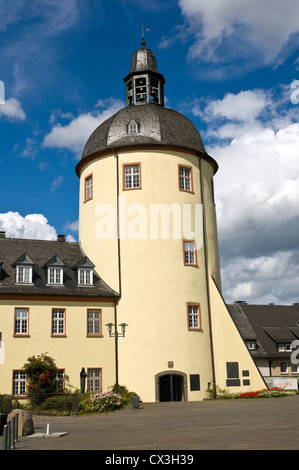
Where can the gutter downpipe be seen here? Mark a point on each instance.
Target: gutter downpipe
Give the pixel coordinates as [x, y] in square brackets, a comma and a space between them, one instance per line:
[119, 272]
[207, 278]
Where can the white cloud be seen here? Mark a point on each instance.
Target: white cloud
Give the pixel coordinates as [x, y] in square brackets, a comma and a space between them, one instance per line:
[12, 110]
[74, 135]
[32, 226]
[257, 193]
[58, 180]
[251, 32]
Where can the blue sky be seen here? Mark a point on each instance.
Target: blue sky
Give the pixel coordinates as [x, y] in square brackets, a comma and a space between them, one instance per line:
[232, 67]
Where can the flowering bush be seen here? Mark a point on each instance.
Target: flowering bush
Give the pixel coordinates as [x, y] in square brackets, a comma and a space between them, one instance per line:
[264, 393]
[41, 376]
[101, 402]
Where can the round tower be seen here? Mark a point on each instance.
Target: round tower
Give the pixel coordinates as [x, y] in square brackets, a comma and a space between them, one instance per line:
[147, 221]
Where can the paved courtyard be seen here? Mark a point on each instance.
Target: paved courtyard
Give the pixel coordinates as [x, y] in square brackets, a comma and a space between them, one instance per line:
[257, 424]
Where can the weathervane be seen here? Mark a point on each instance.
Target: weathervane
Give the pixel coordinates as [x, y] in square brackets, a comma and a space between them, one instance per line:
[142, 27]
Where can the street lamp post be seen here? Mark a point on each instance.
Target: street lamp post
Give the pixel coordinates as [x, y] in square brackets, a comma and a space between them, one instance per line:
[116, 335]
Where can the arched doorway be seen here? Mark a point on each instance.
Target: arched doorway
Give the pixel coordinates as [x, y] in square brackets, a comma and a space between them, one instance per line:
[171, 386]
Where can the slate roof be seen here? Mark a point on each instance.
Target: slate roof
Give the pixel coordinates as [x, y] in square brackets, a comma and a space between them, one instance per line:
[157, 125]
[269, 325]
[41, 252]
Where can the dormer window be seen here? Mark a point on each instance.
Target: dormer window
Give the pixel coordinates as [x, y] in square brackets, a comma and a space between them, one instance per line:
[55, 271]
[85, 277]
[24, 267]
[133, 127]
[85, 272]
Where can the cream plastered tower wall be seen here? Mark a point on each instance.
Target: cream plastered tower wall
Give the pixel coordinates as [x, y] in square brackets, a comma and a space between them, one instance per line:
[70, 352]
[156, 286]
[229, 347]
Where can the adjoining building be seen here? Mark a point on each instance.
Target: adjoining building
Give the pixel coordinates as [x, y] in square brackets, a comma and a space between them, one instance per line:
[147, 259]
[271, 333]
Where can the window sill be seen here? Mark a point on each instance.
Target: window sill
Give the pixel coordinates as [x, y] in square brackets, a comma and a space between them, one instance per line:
[25, 335]
[58, 336]
[94, 336]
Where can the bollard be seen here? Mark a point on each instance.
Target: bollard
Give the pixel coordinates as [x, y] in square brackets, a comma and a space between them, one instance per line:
[8, 436]
[17, 427]
[4, 439]
[13, 432]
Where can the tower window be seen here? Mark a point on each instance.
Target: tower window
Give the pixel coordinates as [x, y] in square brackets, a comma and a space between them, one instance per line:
[194, 320]
[190, 257]
[132, 176]
[155, 90]
[133, 127]
[129, 93]
[185, 178]
[88, 188]
[141, 91]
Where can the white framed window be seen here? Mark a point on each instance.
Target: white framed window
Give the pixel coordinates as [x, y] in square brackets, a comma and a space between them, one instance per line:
[94, 380]
[55, 275]
[88, 188]
[190, 257]
[24, 274]
[251, 345]
[132, 176]
[58, 321]
[185, 178]
[94, 321]
[295, 368]
[85, 277]
[133, 127]
[19, 383]
[21, 321]
[193, 312]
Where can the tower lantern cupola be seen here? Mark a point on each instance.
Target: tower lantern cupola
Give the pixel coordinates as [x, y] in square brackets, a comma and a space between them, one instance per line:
[144, 84]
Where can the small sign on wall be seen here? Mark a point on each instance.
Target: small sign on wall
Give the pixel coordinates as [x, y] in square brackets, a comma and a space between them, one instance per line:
[286, 383]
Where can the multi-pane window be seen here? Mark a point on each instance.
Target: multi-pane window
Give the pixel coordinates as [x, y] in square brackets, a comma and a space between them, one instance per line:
[132, 176]
[94, 380]
[24, 274]
[94, 322]
[283, 368]
[133, 127]
[194, 317]
[19, 382]
[21, 321]
[185, 178]
[59, 379]
[190, 253]
[58, 321]
[85, 277]
[55, 275]
[88, 187]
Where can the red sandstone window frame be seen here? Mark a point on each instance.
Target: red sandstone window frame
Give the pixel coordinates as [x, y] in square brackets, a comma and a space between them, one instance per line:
[198, 327]
[94, 335]
[92, 379]
[55, 334]
[181, 187]
[88, 197]
[21, 334]
[194, 253]
[125, 165]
